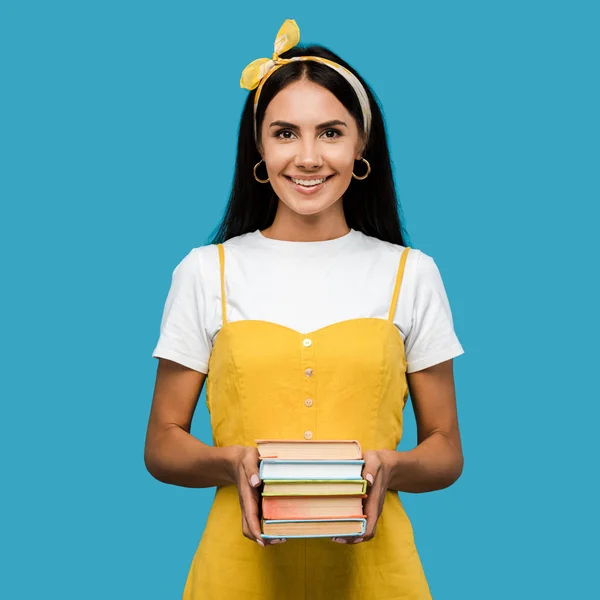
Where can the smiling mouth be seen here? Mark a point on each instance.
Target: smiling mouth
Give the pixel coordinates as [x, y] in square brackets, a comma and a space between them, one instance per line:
[309, 183]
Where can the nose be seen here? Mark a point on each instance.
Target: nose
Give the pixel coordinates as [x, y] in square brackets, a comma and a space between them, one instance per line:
[308, 155]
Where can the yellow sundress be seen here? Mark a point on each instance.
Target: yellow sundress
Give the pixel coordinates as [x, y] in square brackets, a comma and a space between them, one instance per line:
[260, 374]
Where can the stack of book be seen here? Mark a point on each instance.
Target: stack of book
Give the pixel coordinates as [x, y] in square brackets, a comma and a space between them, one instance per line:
[311, 488]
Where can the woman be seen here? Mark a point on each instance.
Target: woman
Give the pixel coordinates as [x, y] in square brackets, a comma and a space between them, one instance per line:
[295, 313]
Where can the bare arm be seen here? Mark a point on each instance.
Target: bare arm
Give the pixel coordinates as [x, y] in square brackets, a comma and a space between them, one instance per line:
[171, 454]
[437, 461]
[434, 464]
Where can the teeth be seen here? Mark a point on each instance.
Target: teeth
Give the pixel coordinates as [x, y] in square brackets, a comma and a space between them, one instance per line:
[309, 182]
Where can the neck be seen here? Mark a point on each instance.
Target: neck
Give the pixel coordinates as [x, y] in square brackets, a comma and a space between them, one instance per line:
[294, 227]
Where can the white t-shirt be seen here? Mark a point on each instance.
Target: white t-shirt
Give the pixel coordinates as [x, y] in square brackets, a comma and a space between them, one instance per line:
[305, 286]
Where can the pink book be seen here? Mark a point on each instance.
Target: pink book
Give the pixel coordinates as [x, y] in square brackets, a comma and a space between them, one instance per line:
[312, 507]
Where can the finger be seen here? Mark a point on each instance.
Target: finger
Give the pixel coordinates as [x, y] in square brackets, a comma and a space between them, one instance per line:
[372, 510]
[343, 539]
[371, 513]
[271, 542]
[371, 468]
[245, 529]
[251, 512]
[249, 504]
[250, 464]
[350, 539]
[250, 492]
[265, 541]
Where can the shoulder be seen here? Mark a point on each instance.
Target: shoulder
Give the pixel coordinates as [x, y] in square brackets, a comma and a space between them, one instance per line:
[244, 240]
[417, 262]
[421, 278]
[199, 267]
[203, 261]
[196, 258]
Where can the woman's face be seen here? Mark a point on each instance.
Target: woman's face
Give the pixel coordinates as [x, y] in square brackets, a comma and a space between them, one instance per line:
[308, 134]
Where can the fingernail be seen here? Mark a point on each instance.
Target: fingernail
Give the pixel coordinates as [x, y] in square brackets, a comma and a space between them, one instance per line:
[278, 541]
[339, 540]
[260, 542]
[369, 478]
[254, 480]
[358, 541]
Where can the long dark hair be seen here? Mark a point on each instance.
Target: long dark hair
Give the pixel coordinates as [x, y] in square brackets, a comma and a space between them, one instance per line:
[370, 205]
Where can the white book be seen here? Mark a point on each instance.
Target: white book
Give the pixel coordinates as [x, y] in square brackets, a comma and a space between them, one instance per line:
[272, 468]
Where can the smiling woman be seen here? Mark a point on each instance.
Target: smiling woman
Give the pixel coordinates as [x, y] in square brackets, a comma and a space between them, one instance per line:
[311, 167]
[311, 116]
[309, 318]
[309, 183]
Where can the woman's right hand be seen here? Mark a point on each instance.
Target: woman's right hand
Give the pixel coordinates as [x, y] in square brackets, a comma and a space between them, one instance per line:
[244, 464]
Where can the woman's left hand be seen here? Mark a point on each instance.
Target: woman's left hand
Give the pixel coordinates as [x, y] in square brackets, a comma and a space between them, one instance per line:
[377, 471]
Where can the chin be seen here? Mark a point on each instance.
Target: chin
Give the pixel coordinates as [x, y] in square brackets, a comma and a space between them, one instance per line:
[308, 206]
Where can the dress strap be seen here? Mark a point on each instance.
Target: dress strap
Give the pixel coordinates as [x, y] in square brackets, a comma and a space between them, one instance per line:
[222, 268]
[399, 275]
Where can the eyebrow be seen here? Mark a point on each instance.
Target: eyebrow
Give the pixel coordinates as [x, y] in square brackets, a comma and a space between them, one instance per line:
[292, 126]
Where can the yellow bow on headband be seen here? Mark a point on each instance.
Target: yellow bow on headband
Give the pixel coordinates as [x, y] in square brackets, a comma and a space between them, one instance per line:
[287, 37]
[258, 71]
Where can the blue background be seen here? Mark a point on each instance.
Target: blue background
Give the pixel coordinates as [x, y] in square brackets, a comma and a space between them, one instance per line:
[117, 139]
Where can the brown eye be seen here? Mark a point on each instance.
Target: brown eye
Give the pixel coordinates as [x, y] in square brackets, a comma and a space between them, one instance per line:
[278, 134]
[337, 132]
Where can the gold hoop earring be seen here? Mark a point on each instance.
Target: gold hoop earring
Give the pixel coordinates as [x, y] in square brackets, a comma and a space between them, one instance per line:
[366, 174]
[255, 177]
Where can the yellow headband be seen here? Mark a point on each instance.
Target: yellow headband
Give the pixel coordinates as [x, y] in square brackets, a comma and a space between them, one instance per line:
[258, 71]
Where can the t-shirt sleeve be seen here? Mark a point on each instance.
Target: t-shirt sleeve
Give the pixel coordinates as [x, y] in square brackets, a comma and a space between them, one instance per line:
[183, 337]
[431, 338]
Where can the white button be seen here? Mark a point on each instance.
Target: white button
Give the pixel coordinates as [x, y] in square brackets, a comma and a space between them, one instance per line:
[308, 372]
[308, 435]
[308, 402]
[307, 342]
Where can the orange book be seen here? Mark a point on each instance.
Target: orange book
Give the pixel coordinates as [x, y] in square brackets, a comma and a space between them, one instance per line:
[313, 507]
[309, 449]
